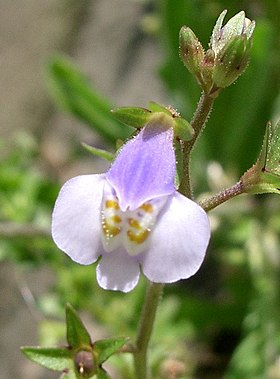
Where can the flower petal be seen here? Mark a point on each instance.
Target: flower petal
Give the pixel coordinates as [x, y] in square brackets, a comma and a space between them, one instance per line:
[118, 271]
[178, 243]
[76, 220]
[145, 167]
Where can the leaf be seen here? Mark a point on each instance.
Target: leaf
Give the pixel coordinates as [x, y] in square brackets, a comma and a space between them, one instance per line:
[51, 358]
[272, 159]
[105, 348]
[102, 375]
[71, 91]
[68, 375]
[132, 116]
[77, 335]
[99, 152]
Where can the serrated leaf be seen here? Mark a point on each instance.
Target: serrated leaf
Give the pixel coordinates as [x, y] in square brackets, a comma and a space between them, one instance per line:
[105, 348]
[52, 358]
[77, 334]
[132, 116]
[71, 91]
[99, 152]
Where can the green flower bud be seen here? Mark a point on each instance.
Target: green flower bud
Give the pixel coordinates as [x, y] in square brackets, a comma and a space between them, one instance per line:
[85, 364]
[191, 50]
[238, 25]
[232, 46]
[231, 61]
[264, 176]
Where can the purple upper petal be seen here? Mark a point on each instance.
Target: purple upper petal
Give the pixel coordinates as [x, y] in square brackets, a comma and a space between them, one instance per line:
[145, 167]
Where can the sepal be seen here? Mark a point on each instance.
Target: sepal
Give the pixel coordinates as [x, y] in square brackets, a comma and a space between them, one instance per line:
[81, 358]
[77, 334]
[183, 129]
[99, 152]
[52, 358]
[132, 116]
[107, 347]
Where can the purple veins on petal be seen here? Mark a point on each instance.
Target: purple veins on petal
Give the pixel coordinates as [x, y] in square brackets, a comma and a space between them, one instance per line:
[145, 167]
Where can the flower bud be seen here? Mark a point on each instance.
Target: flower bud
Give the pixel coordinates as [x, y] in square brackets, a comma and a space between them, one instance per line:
[238, 25]
[85, 363]
[232, 61]
[191, 50]
[232, 46]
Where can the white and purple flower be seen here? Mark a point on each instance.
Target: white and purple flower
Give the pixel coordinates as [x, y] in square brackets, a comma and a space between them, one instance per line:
[132, 216]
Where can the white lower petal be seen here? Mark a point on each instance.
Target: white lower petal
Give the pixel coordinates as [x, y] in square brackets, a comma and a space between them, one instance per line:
[76, 225]
[178, 242]
[118, 271]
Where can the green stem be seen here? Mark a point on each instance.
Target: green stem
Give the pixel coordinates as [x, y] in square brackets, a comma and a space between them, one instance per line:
[222, 196]
[198, 122]
[153, 295]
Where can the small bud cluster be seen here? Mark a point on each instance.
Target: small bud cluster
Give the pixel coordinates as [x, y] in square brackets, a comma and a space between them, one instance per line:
[227, 57]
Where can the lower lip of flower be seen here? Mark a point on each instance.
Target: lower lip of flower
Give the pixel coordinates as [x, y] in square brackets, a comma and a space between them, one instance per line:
[130, 229]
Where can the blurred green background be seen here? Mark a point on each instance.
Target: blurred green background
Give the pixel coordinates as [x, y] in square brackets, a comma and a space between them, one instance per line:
[88, 58]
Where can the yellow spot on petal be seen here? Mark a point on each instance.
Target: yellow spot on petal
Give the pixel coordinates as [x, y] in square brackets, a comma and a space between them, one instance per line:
[112, 204]
[116, 219]
[134, 223]
[138, 237]
[110, 230]
[147, 207]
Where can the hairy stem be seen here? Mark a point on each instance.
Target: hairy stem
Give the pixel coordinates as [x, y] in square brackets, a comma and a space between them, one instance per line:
[222, 196]
[153, 295]
[198, 122]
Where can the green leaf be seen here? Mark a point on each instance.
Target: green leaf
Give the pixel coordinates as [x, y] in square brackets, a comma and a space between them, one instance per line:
[71, 91]
[132, 116]
[51, 358]
[77, 335]
[99, 152]
[102, 375]
[68, 375]
[272, 145]
[105, 348]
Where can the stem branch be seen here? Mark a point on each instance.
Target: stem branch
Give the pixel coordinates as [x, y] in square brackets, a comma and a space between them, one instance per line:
[222, 196]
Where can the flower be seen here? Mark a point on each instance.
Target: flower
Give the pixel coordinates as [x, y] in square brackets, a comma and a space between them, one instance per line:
[132, 216]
